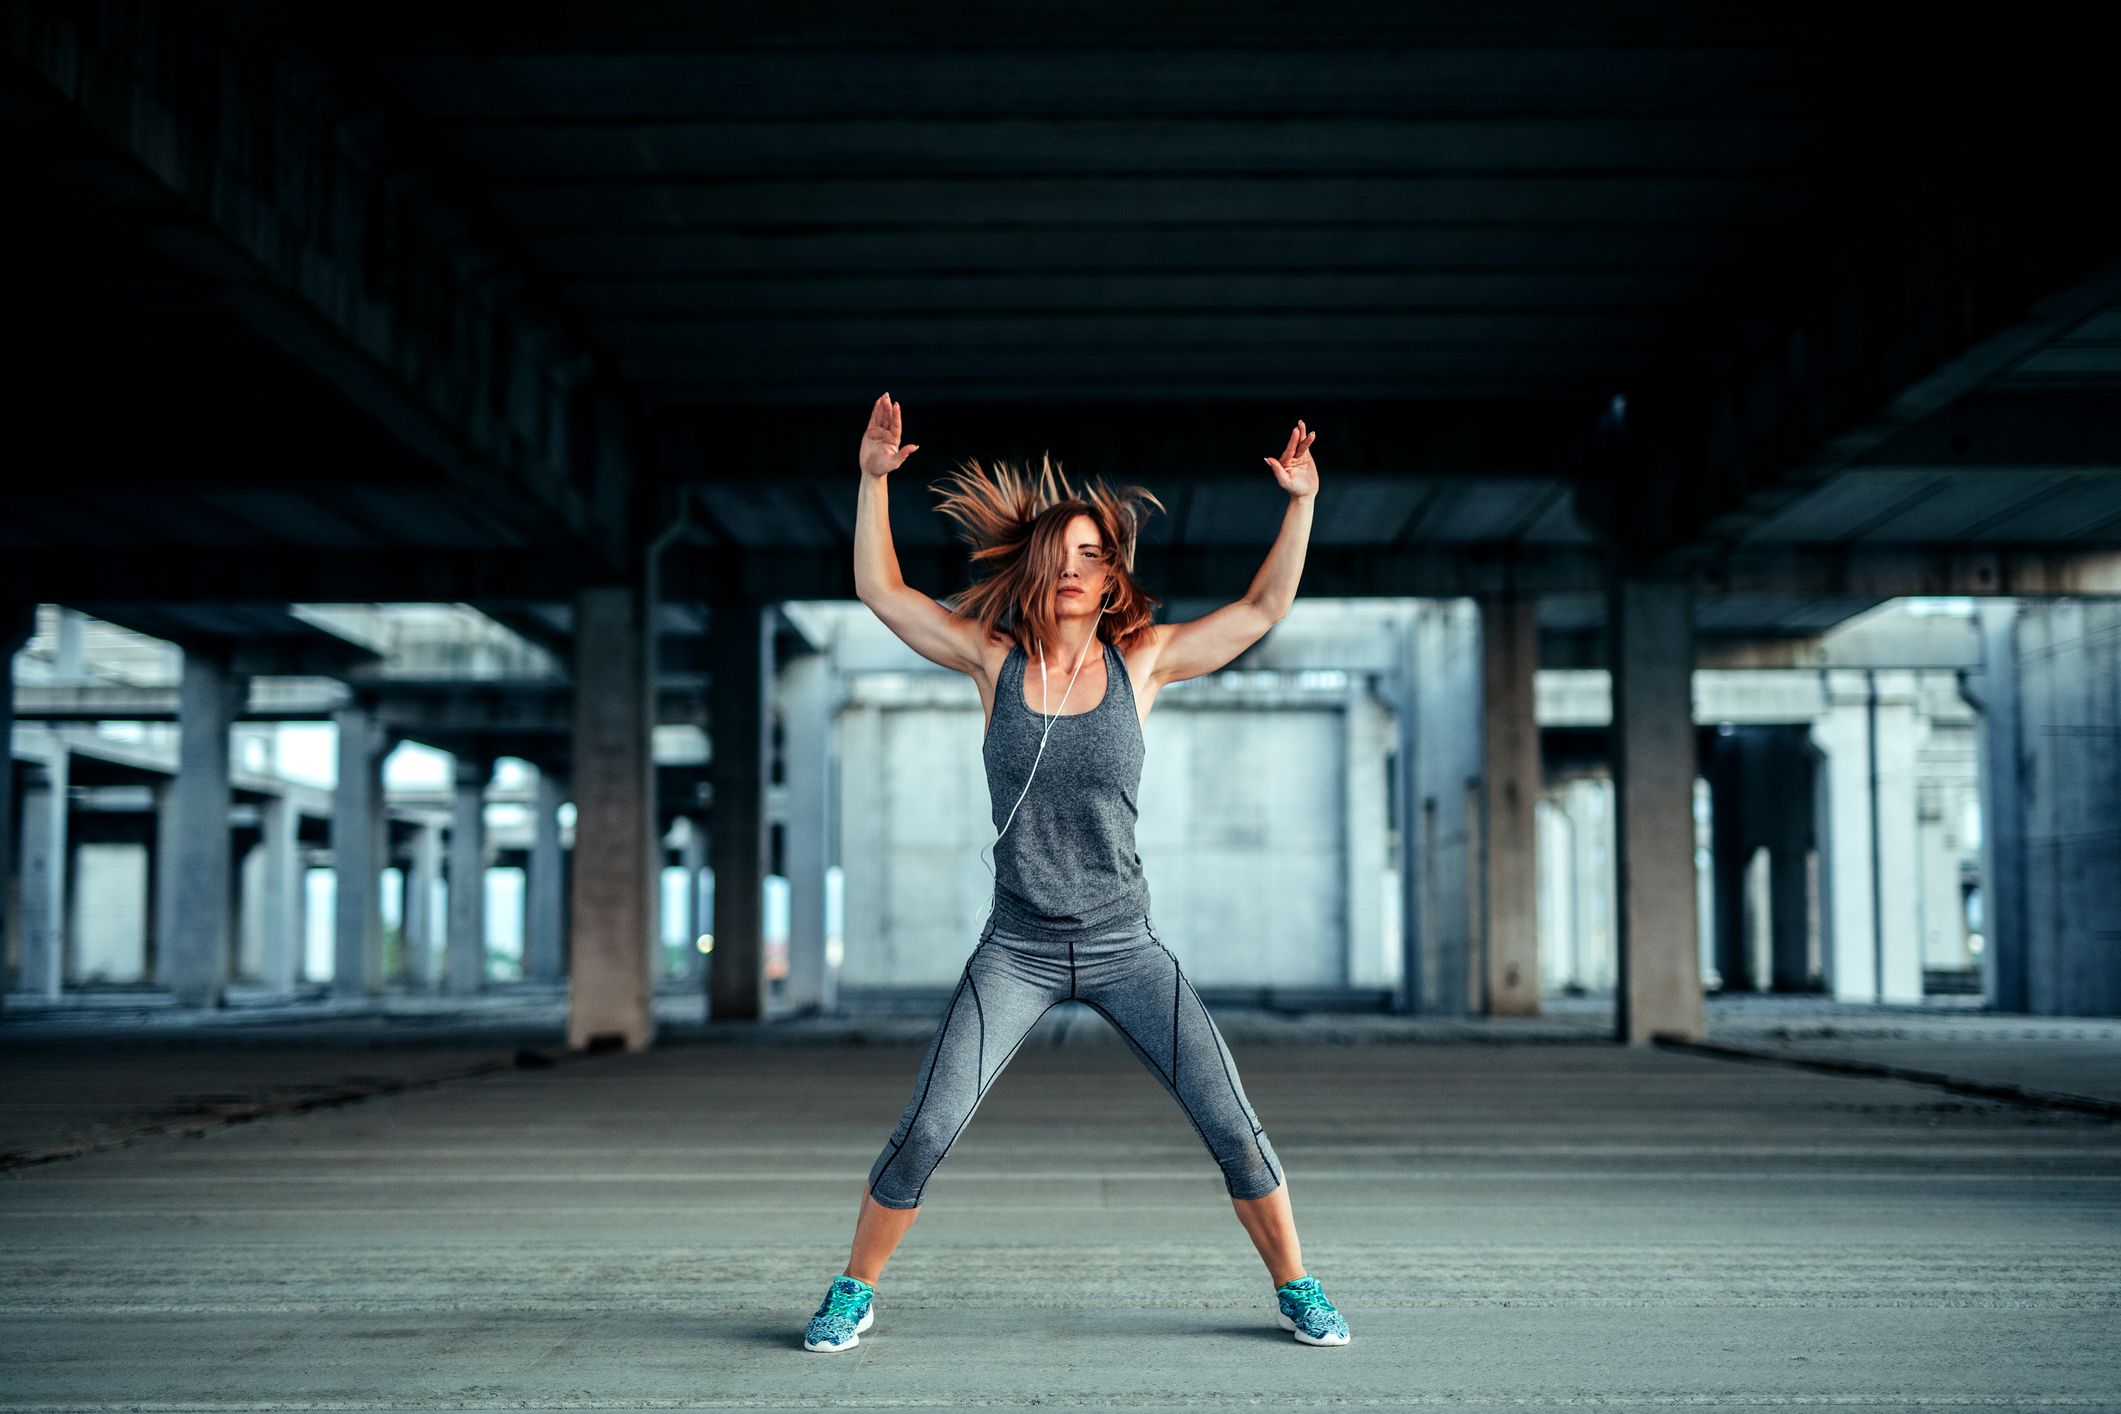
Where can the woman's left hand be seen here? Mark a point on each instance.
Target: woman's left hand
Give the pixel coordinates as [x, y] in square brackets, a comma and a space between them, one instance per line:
[1294, 469]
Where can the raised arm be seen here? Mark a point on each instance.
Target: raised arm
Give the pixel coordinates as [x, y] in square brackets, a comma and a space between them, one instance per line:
[929, 629]
[1205, 644]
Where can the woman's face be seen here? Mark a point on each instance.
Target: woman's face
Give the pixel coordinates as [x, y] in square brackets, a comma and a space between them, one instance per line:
[1084, 571]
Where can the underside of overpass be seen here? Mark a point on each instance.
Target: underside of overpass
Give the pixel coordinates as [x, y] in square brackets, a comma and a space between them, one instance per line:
[1660, 334]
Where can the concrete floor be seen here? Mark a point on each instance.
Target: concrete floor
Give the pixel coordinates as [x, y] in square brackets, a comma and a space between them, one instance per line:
[1509, 1216]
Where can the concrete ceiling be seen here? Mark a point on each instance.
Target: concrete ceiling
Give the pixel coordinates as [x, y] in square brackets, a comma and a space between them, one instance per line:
[1141, 239]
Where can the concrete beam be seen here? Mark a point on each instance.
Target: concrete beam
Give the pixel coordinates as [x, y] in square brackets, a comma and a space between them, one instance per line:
[2023, 572]
[1165, 444]
[1211, 573]
[306, 700]
[2005, 200]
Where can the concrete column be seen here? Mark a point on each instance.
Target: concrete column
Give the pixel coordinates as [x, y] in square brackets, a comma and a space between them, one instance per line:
[809, 692]
[1789, 842]
[740, 707]
[423, 881]
[1869, 734]
[1513, 774]
[16, 623]
[357, 855]
[280, 824]
[1406, 779]
[615, 857]
[1597, 891]
[692, 862]
[545, 887]
[1650, 632]
[2067, 657]
[1732, 804]
[1995, 691]
[197, 931]
[1440, 754]
[464, 962]
[46, 847]
[1365, 742]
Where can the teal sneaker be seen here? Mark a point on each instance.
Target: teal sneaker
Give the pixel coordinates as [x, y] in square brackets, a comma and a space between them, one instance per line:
[1305, 1310]
[847, 1310]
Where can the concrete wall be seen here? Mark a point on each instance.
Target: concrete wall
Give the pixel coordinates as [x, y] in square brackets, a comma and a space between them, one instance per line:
[1244, 833]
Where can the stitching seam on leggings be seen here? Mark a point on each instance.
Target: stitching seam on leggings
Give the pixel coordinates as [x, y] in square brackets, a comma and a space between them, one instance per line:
[949, 1013]
[1233, 1082]
[979, 1062]
[980, 1095]
[1174, 1009]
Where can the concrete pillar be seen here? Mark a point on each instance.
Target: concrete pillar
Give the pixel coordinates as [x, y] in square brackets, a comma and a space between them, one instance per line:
[1869, 734]
[1789, 837]
[357, 855]
[16, 623]
[1650, 633]
[464, 959]
[423, 933]
[810, 690]
[692, 862]
[1366, 740]
[2067, 656]
[615, 856]
[740, 708]
[1995, 691]
[197, 931]
[1596, 964]
[280, 888]
[1734, 802]
[46, 847]
[545, 885]
[1409, 994]
[1512, 773]
[1440, 751]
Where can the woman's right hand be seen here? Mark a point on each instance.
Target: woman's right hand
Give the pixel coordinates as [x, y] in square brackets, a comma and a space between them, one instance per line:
[881, 453]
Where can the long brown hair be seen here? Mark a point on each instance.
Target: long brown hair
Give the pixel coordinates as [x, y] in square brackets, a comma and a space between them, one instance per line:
[1016, 524]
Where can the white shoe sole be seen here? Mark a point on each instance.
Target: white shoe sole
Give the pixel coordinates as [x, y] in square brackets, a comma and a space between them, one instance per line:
[868, 1319]
[1305, 1337]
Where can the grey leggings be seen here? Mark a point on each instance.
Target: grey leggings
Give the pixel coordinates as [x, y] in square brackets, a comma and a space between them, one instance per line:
[1128, 977]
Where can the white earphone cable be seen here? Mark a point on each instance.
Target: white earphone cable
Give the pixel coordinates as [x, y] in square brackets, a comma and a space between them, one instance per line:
[1050, 720]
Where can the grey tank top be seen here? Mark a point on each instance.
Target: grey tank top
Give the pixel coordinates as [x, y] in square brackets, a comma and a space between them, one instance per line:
[1067, 865]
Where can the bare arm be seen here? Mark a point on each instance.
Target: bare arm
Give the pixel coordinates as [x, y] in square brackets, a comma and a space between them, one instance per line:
[1205, 644]
[929, 629]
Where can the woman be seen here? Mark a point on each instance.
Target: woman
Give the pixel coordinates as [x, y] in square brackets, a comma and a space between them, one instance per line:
[1070, 919]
